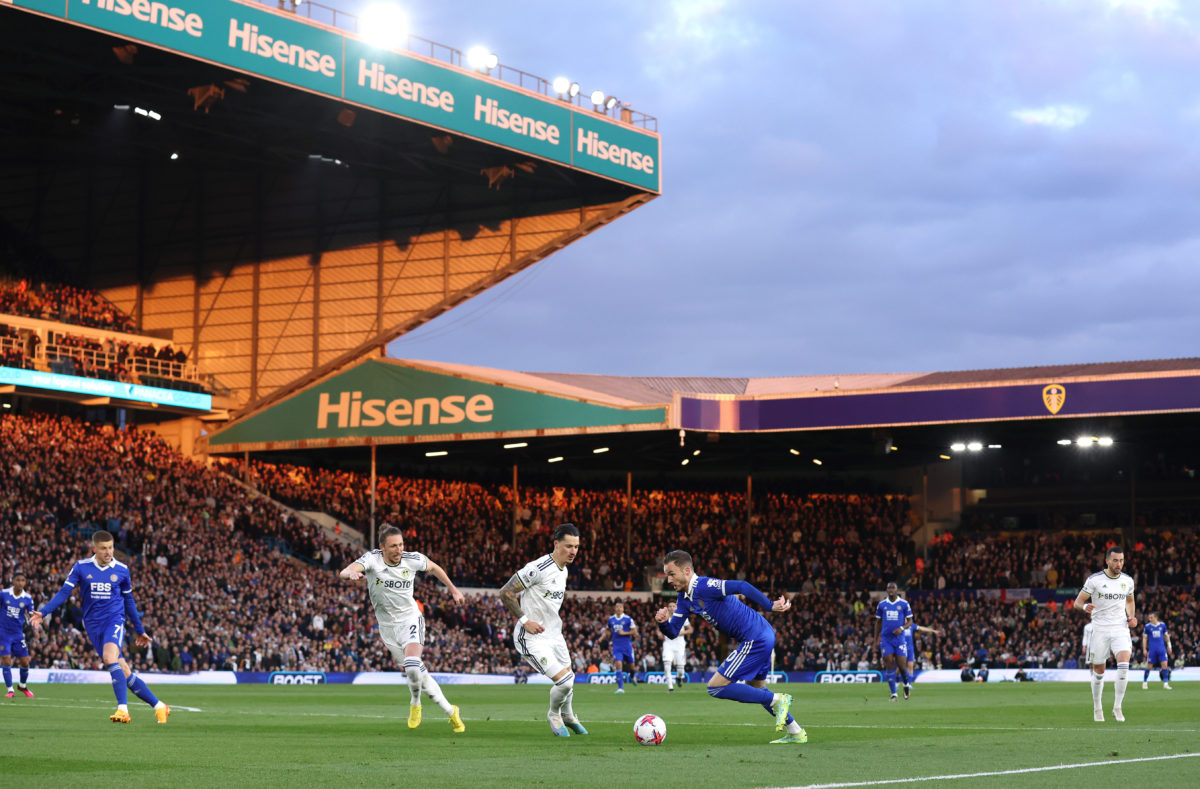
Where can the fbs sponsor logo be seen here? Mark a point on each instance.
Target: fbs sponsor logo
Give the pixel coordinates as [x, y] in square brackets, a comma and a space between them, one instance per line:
[350, 409]
[296, 678]
[847, 677]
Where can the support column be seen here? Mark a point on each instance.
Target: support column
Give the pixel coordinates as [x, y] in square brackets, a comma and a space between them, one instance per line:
[372, 496]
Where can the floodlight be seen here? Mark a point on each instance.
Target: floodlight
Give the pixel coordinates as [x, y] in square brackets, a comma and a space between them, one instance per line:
[383, 25]
[817, 462]
[685, 461]
[794, 451]
[599, 450]
[480, 59]
[975, 446]
[573, 90]
[518, 445]
[1105, 441]
[610, 102]
[958, 446]
[1064, 442]
[174, 155]
[1083, 442]
[561, 85]
[441, 453]
[555, 460]
[597, 97]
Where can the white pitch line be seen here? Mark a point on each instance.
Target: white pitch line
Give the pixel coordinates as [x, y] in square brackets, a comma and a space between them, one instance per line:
[36, 704]
[997, 772]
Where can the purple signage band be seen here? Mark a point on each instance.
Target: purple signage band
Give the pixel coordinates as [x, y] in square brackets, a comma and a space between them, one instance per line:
[931, 406]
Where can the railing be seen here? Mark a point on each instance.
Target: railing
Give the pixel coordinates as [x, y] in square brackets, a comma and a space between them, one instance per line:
[333, 17]
[110, 362]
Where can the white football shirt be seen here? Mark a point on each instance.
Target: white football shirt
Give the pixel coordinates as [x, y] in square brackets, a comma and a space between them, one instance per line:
[1108, 595]
[545, 587]
[391, 586]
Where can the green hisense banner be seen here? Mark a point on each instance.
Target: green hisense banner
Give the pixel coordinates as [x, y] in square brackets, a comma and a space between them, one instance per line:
[287, 49]
[386, 400]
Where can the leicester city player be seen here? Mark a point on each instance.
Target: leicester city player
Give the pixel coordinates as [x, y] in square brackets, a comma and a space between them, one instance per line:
[107, 591]
[910, 643]
[1156, 643]
[715, 601]
[17, 603]
[621, 627]
[892, 619]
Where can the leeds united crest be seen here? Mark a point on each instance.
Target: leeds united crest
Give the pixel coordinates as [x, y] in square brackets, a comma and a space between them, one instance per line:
[1053, 397]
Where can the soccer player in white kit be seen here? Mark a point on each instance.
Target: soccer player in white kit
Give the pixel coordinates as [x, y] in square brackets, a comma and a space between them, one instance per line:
[534, 596]
[674, 653]
[1112, 610]
[391, 574]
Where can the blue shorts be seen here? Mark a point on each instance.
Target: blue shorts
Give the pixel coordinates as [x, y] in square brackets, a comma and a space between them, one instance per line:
[13, 645]
[101, 633]
[894, 646]
[749, 661]
[623, 654]
[1156, 656]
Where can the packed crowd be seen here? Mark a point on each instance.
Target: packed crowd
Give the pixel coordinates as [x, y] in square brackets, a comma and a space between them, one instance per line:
[804, 542]
[62, 303]
[226, 579]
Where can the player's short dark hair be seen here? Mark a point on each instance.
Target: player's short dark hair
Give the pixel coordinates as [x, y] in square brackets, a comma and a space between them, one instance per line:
[387, 531]
[565, 530]
[678, 558]
[893, 583]
[19, 574]
[101, 536]
[1113, 549]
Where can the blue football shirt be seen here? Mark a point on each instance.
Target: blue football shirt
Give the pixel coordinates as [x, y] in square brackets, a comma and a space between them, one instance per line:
[1156, 636]
[892, 615]
[15, 608]
[617, 623]
[104, 591]
[707, 598]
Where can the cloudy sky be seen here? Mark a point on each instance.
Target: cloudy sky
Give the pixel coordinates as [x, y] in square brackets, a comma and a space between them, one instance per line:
[861, 186]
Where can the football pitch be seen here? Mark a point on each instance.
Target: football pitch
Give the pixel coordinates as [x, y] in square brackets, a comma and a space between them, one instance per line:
[995, 735]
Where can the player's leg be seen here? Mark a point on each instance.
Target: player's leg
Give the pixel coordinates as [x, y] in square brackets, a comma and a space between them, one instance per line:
[23, 662]
[630, 666]
[668, 675]
[541, 655]
[107, 642]
[1123, 649]
[1164, 673]
[6, 667]
[620, 672]
[724, 683]
[413, 665]
[1097, 657]
[562, 656]
[143, 692]
[1146, 674]
[901, 661]
[888, 658]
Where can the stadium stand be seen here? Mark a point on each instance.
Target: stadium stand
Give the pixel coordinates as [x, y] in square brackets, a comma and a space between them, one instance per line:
[228, 580]
[61, 303]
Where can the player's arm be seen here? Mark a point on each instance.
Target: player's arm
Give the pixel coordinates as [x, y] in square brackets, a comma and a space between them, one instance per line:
[1081, 602]
[1167, 643]
[437, 572]
[687, 628]
[354, 571]
[1130, 608]
[923, 629]
[510, 595]
[670, 623]
[1145, 643]
[59, 598]
[131, 610]
[878, 627]
[753, 595]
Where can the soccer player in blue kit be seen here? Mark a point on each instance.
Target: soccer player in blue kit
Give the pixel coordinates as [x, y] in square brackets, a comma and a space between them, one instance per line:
[107, 591]
[715, 601]
[16, 603]
[892, 619]
[621, 627]
[1156, 643]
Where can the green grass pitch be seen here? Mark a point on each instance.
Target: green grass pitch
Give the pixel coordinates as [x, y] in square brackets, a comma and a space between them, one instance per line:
[339, 735]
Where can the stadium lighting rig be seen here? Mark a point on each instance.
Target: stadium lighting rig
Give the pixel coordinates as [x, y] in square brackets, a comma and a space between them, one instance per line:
[517, 445]
[481, 59]
[383, 25]
[565, 88]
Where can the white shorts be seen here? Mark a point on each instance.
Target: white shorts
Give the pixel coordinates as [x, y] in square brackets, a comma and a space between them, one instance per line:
[676, 653]
[1104, 642]
[547, 654]
[397, 635]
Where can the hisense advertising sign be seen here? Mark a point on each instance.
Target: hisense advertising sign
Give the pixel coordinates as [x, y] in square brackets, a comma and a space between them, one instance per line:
[384, 400]
[291, 50]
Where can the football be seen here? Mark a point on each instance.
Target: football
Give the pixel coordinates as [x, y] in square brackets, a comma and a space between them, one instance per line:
[650, 730]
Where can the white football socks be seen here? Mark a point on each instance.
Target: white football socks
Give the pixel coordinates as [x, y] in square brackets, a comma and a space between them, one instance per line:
[1122, 681]
[412, 667]
[670, 674]
[1097, 689]
[434, 690]
[561, 692]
